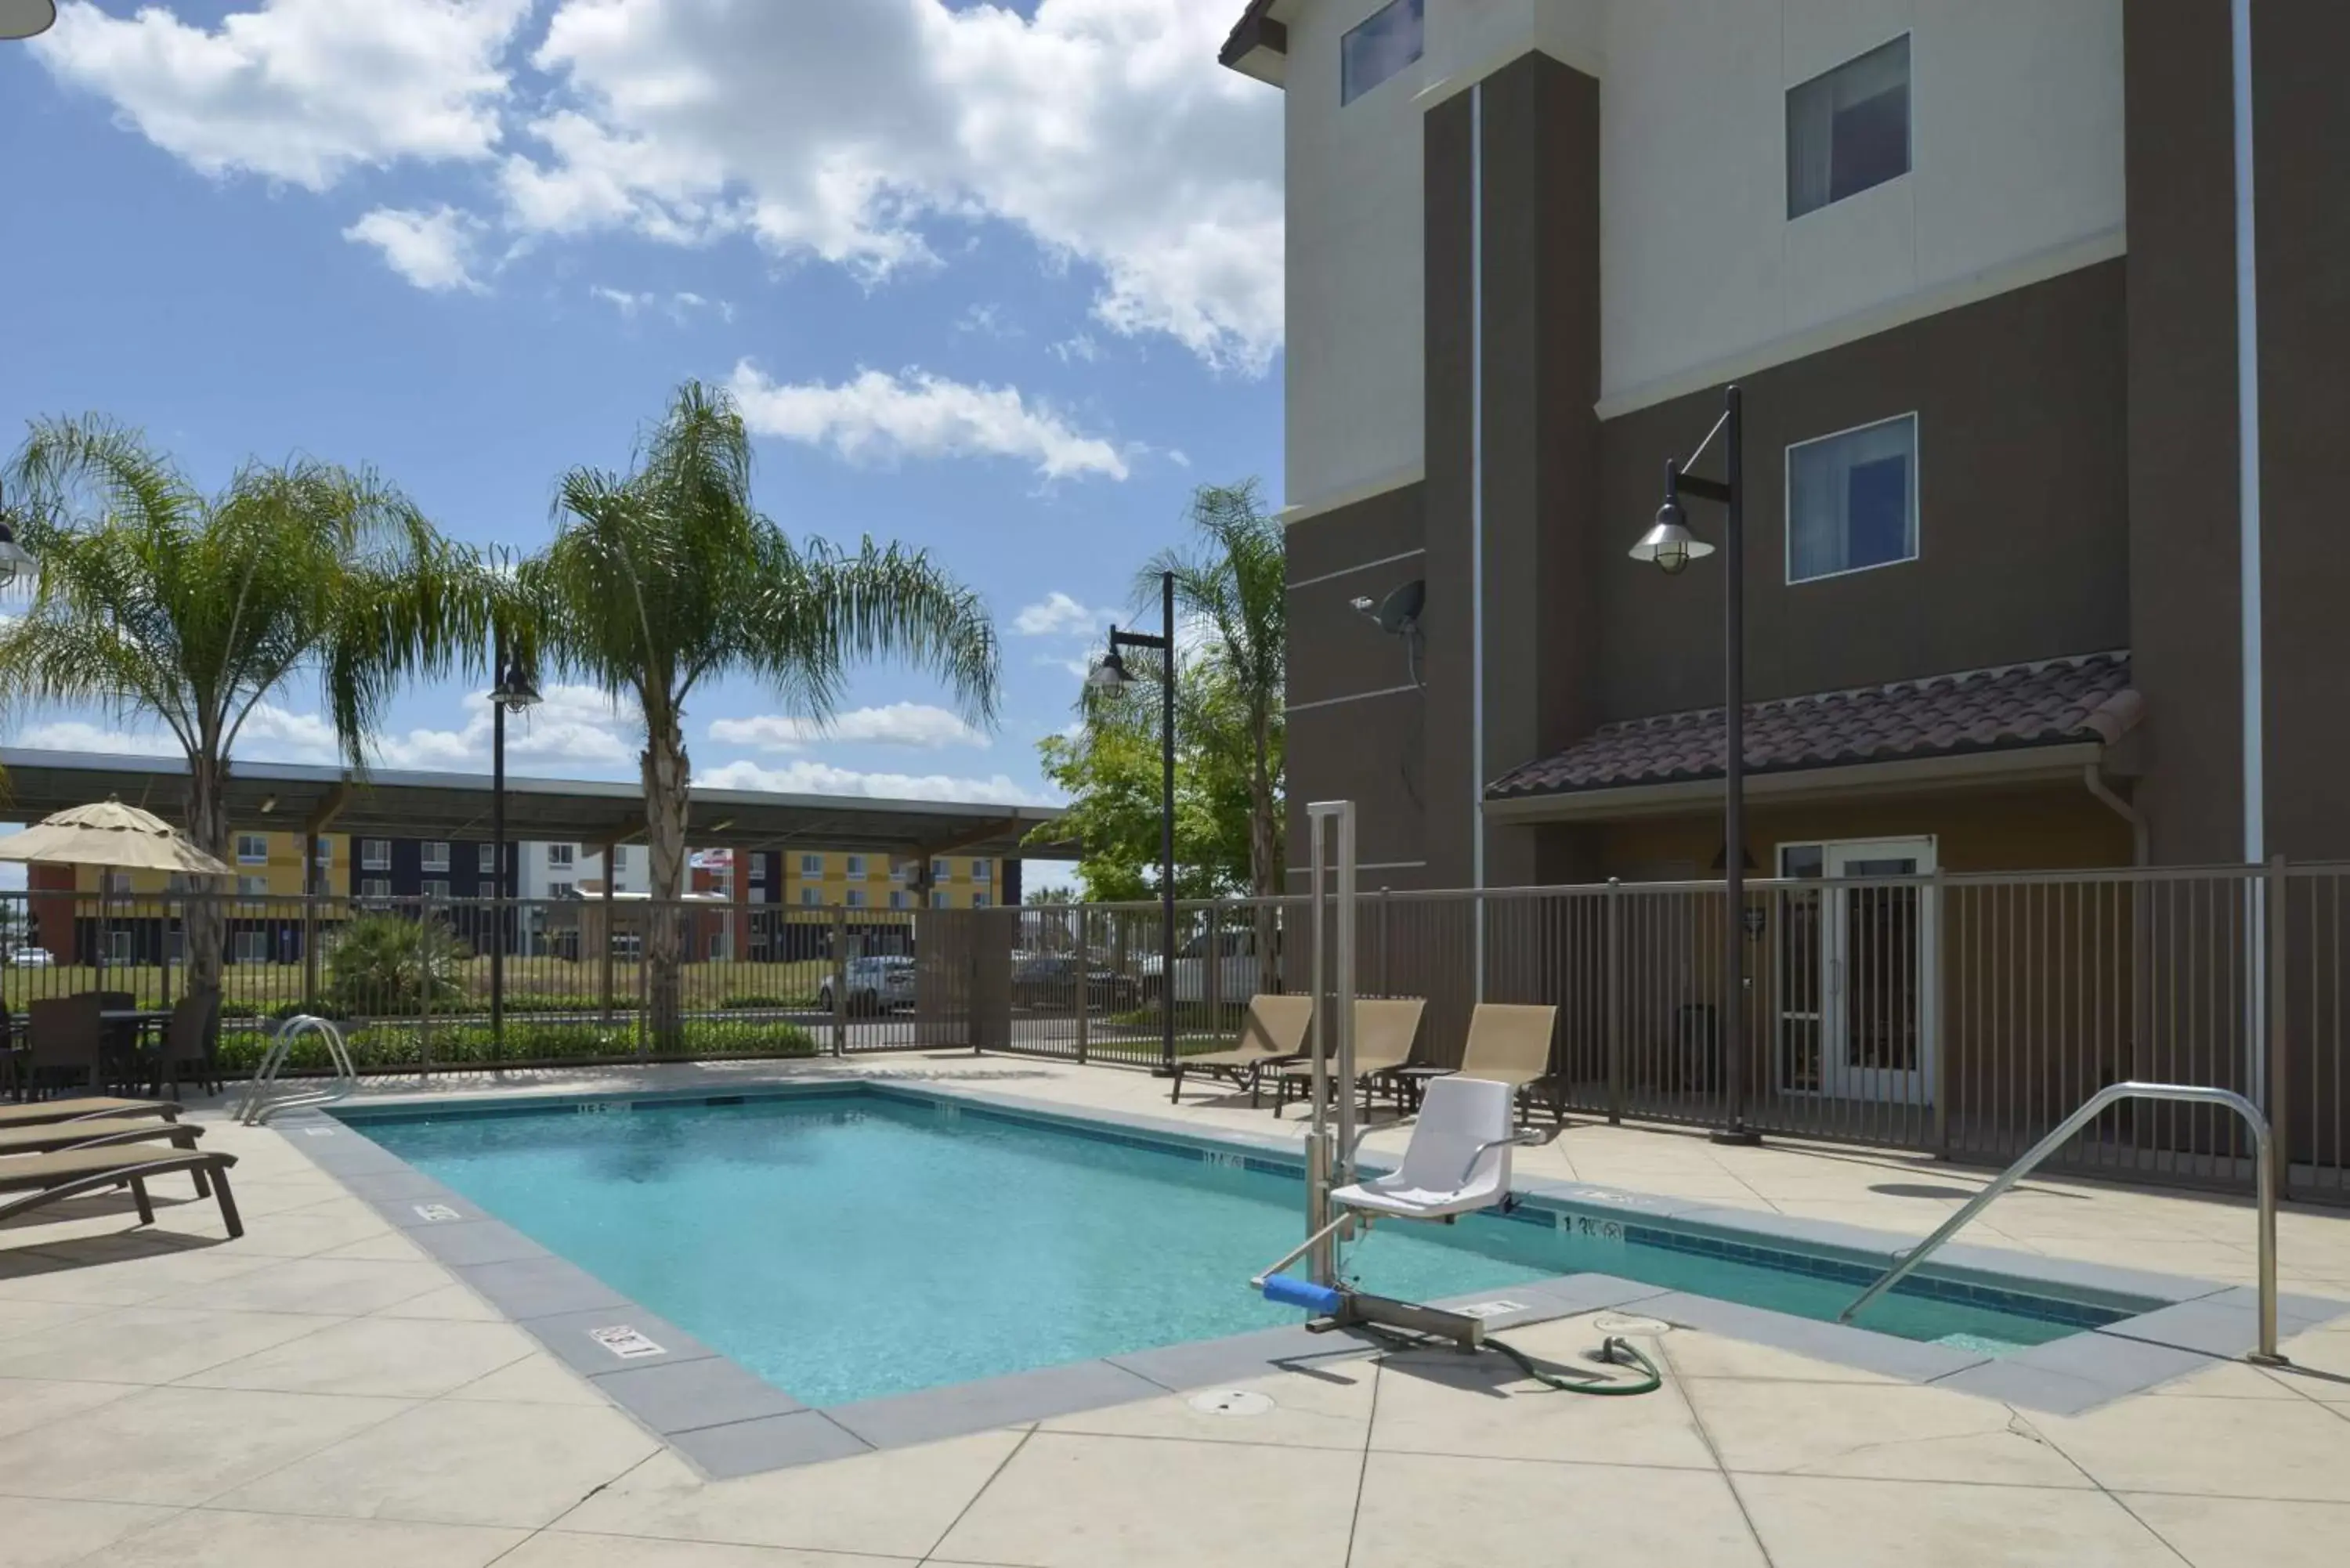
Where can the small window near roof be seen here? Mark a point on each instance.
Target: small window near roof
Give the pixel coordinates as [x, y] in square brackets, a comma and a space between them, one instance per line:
[1848, 129]
[1852, 499]
[1378, 47]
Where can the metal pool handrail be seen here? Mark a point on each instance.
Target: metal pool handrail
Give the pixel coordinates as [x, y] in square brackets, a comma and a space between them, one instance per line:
[2264, 1183]
[258, 1109]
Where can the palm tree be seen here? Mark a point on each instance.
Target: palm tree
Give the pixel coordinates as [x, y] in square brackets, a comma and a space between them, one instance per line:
[1233, 592]
[667, 576]
[154, 600]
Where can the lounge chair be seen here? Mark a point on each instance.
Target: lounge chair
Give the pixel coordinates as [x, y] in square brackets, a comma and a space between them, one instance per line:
[188, 1047]
[51, 1177]
[1273, 1031]
[86, 1107]
[1385, 1028]
[1509, 1043]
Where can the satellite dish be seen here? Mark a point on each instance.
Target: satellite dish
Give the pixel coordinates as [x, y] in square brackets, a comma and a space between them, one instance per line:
[1399, 611]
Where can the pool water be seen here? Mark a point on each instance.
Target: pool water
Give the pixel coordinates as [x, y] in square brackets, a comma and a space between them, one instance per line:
[848, 1245]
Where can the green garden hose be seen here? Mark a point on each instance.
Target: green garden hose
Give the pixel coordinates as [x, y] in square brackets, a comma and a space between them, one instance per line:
[1613, 1350]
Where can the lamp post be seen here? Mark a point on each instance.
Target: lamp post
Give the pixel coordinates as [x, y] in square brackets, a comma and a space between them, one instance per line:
[1110, 675]
[1671, 546]
[515, 691]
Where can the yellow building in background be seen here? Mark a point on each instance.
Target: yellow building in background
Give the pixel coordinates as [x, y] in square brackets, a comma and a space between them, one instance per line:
[825, 878]
[267, 865]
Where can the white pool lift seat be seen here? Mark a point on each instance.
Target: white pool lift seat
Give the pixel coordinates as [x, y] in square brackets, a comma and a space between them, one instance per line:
[1458, 1158]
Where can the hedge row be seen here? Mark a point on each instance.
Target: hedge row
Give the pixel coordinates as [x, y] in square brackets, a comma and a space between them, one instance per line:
[384, 1046]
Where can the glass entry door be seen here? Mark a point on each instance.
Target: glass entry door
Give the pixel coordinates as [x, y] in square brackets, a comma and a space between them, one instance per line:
[1855, 971]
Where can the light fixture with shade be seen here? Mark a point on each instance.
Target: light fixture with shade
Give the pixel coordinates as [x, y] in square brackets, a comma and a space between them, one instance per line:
[26, 18]
[1669, 544]
[1109, 673]
[16, 561]
[516, 689]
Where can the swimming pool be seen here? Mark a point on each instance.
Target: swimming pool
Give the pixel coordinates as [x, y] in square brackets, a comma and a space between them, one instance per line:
[847, 1243]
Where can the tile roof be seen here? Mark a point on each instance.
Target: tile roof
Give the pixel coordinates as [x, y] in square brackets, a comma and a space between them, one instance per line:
[2012, 707]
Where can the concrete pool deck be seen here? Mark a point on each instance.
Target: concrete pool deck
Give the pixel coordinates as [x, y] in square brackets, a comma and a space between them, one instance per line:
[325, 1390]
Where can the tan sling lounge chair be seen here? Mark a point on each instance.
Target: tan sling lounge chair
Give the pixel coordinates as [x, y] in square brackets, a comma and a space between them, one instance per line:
[1273, 1031]
[50, 1178]
[1509, 1042]
[85, 1107]
[1385, 1028]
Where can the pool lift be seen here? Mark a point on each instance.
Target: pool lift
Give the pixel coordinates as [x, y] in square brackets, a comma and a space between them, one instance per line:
[1456, 1163]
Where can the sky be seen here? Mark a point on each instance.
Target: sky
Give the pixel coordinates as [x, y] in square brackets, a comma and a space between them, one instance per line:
[1002, 282]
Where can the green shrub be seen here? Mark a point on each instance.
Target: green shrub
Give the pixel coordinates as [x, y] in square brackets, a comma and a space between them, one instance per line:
[384, 1046]
[388, 963]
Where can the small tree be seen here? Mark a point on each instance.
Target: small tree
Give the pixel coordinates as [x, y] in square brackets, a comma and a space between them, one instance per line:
[387, 965]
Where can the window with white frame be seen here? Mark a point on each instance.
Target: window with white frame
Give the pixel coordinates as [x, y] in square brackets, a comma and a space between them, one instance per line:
[1379, 45]
[856, 898]
[811, 865]
[326, 852]
[118, 882]
[810, 897]
[619, 858]
[856, 865]
[489, 861]
[253, 848]
[983, 870]
[758, 870]
[939, 870]
[119, 946]
[436, 888]
[436, 857]
[939, 902]
[375, 853]
[561, 856]
[1848, 129]
[897, 899]
[252, 947]
[560, 889]
[252, 887]
[375, 888]
[1852, 499]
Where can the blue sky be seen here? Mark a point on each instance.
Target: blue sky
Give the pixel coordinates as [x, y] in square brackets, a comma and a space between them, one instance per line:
[1001, 283]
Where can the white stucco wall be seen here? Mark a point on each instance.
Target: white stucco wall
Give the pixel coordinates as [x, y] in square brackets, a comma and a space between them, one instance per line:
[2016, 174]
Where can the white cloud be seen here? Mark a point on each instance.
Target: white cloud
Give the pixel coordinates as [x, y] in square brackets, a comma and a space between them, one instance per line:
[79, 735]
[299, 91]
[879, 418]
[807, 777]
[677, 307]
[433, 250]
[986, 320]
[1079, 349]
[573, 725]
[1058, 615]
[913, 725]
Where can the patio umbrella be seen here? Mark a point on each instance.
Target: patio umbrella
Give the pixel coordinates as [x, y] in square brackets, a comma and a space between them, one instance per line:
[111, 834]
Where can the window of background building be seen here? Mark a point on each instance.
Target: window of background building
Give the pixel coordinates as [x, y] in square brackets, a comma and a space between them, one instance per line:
[938, 900]
[436, 888]
[856, 898]
[252, 887]
[489, 861]
[1852, 499]
[252, 947]
[436, 857]
[375, 888]
[983, 870]
[811, 865]
[758, 870]
[940, 871]
[375, 853]
[118, 882]
[562, 854]
[810, 897]
[326, 852]
[560, 889]
[253, 848]
[1379, 45]
[897, 900]
[981, 902]
[1848, 129]
[856, 865]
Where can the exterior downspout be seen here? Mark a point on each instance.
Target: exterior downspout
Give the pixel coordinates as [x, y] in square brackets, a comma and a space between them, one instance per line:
[2094, 777]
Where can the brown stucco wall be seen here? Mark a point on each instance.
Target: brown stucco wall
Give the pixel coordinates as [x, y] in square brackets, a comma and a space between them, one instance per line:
[2023, 543]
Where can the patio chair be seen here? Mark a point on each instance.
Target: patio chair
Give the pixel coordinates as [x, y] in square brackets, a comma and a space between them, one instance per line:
[1385, 1028]
[1273, 1031]
[103, 1132]
[65, 1041]
[86, 1107]
[188, 1045]
[1509, 1043]
[120, 1057]
[46, 1178]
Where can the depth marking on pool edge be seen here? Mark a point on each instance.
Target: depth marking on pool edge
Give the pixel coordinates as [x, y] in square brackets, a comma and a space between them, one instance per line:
[624, 1341]
[432, 1212]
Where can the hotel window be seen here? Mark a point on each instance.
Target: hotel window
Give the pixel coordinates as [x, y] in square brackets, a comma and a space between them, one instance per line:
[810, 897]
[375, 853]
[559, 889]
[326, 852]
[1378, 47]
[897, 899]
[939, 870]
[758, 870]
[252, 887]
[562, 855]
[811, 865]
[252, 947]
[1848, 129]
[436, 888]
[983, 870]
[119, 882]
[939, 902]
[489, 861]
[619, 858]
[856, 865]
[436, 857]
[375, 888]
[253, 848]
[981, 902]
[1852, 499]
[856, 898]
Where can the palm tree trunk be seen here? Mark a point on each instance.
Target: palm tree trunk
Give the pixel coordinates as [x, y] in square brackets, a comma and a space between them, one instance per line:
[205, 922]
[665, 777]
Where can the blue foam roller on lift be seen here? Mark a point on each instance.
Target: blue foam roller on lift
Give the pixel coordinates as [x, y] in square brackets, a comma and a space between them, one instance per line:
[1288, 1292]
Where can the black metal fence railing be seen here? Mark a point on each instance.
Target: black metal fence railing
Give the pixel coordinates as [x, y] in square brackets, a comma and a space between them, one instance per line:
[1961, 1014]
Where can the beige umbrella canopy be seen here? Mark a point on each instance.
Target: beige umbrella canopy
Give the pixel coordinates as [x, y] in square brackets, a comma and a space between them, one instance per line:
[111, 834]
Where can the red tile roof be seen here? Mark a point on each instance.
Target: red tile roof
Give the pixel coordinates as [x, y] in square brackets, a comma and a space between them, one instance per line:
[2017, 705]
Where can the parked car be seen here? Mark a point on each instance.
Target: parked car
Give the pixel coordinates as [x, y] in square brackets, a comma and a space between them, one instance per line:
[1049, 981]
[875, 985]
[32, 958]
[1237, 972]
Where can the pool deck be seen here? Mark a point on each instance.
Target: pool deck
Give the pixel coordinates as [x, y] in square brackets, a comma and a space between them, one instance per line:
[325, 1390]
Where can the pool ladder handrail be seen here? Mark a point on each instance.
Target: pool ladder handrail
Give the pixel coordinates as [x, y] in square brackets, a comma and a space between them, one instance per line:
[257, 1109]
[2264, 1188]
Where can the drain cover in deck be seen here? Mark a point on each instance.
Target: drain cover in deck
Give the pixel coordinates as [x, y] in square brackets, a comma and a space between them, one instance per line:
[1232, 1402]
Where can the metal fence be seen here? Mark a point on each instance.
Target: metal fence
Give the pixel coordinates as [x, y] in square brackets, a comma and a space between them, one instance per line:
[1959, 1014]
